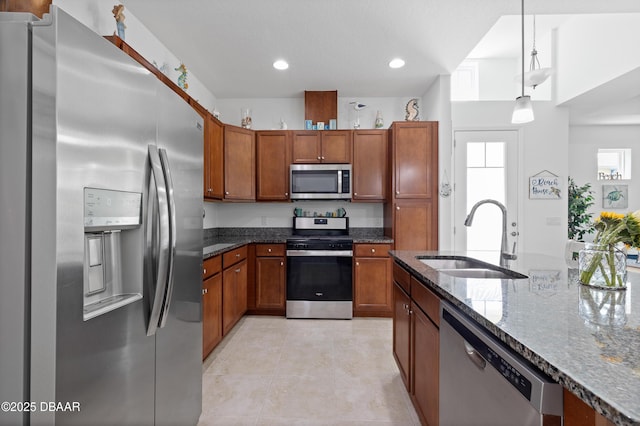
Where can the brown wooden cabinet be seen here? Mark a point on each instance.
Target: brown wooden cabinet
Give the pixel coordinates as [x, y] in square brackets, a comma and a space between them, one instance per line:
[416, 343]
[272, 165]
[372, 280]
[211, 304]
[411, 216]
[37, 7]
[270, 278]
[239, 164]
[234, 287]
[330, 146]
[213, 158]
[370, 168]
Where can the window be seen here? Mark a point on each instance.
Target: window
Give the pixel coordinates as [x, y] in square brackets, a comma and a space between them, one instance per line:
[614, 164]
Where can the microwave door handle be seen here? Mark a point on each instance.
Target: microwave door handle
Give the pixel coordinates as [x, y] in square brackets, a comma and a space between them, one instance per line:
[161, 217]
[339, 182]
[171, 210]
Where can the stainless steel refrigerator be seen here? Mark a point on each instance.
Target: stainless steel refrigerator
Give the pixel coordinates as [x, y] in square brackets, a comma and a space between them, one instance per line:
[100, 233]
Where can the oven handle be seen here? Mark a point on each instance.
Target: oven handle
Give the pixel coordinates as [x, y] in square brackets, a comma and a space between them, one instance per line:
[319, 253]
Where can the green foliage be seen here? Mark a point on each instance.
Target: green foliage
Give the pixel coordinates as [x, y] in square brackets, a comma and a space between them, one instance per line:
[580, 199]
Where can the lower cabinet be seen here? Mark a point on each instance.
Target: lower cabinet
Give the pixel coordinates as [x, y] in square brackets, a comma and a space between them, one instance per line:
[270, 278]
[211, 304]
[416, 342]
[234, 294]
[372, 280]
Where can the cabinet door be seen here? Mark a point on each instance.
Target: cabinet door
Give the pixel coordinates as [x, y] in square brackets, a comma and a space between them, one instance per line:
[415, 154]
[305, 147]
[402, 332]
[211, 314]
[213, 158]
[426, 364]
[415, 227]
[229, 299]
[239, 164]
[372, 285]
[241, 271]
[270, 283]
[336, 146]
[272, 155]
[370, 165]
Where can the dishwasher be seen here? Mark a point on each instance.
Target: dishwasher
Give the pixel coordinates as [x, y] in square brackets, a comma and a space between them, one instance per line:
[485, 383]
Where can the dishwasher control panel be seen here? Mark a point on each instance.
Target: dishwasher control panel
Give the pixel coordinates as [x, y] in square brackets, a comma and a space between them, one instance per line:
[509, 372]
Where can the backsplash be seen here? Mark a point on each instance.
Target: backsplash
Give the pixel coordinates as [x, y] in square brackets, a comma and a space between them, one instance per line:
[279, 215]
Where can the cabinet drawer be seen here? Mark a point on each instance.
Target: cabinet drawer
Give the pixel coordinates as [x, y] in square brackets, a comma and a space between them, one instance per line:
[401, 276]
[234, 256]
[372, 250]
[270, 250]
[211, 266]
[427, 300]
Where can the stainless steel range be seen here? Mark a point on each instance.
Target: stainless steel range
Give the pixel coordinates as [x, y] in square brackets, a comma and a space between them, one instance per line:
[319, 269]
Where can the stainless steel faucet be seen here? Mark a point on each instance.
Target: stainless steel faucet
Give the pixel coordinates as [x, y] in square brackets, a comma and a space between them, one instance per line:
[505, 256]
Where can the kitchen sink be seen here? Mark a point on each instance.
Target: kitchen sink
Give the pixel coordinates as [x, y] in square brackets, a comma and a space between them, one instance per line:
[464, 267]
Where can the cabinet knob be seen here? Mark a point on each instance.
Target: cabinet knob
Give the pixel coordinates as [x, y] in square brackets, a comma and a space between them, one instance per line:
[237, 270]
[204, 271]
[397, 207]
[209, 189]
[397, 192]
[323, 157]
[373, 250]
[226, 192]
[205, 291]
[281, 263]
[269, 250]
[237, 254]
[357, 263]
[286, 194]
[355, 193]
[319, 158]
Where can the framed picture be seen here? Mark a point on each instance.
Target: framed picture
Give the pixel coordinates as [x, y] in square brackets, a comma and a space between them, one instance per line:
[615, 196]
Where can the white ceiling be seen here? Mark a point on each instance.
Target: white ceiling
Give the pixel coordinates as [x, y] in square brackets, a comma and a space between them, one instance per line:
[342, 45]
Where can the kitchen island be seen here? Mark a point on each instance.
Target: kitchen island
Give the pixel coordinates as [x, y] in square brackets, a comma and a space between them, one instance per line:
[584, 339]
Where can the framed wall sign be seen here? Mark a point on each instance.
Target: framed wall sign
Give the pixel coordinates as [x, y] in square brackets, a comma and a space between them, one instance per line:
[545, 186]
[615, 196]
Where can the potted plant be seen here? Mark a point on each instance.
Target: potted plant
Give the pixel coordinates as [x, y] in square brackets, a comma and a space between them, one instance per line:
[580, 199]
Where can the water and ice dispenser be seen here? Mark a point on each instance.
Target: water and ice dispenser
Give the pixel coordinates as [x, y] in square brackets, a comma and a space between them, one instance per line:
[113, 256]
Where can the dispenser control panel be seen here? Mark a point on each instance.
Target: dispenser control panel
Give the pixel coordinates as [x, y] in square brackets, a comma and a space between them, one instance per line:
[109, 209]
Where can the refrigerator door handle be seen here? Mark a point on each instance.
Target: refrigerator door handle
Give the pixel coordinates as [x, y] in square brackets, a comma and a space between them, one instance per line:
[163, 245]
[171, 205]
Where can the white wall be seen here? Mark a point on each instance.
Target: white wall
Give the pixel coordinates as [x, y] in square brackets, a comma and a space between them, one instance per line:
[594, 49]
[278, 215]
[267, 112]
[97, 15]
[584, 142]
[544, 146]
[437, 107]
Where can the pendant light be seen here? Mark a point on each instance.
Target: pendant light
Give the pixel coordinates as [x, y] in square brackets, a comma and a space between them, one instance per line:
[536, 74]
[523, 111]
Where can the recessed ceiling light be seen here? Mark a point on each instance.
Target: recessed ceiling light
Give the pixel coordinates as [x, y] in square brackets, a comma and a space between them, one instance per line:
[396, 63]
[280, 64]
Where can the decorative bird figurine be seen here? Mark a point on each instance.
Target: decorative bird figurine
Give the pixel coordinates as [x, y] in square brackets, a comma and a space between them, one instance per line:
[357, 106]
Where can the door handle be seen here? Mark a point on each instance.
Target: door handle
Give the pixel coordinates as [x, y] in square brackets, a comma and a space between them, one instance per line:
[171, 206]
[474, 356]
[157, 188]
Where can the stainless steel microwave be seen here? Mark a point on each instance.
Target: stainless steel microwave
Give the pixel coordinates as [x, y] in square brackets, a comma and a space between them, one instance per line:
[320, 182]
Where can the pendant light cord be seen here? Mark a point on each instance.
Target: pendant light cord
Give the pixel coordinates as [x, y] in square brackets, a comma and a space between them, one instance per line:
[522, 25]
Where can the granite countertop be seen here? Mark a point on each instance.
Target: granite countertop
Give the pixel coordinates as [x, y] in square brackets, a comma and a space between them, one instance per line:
[585, 339]
[220, 240]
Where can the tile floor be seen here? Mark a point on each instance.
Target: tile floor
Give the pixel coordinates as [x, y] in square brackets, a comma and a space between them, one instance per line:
[274, 371]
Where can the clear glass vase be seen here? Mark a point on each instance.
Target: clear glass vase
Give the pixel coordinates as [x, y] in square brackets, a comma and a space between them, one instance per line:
[603, 266]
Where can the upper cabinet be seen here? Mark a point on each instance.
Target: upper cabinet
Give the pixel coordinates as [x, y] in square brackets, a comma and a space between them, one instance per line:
[327, 146]
[213, 158]
[415, 159]
[272, 165]
[239, 164]
[370, 169]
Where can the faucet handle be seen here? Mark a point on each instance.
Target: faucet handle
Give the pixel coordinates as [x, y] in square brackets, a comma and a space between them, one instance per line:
[512, 255]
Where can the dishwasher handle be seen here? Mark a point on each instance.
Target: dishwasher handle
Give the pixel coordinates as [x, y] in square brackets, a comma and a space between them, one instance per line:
[475, 357]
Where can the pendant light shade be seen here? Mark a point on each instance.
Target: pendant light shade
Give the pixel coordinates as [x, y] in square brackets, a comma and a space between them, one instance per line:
[523, 111]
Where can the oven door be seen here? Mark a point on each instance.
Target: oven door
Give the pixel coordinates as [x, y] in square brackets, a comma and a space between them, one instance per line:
[319, 275]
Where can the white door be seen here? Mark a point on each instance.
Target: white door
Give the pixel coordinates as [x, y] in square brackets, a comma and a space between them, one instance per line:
[486, 167]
